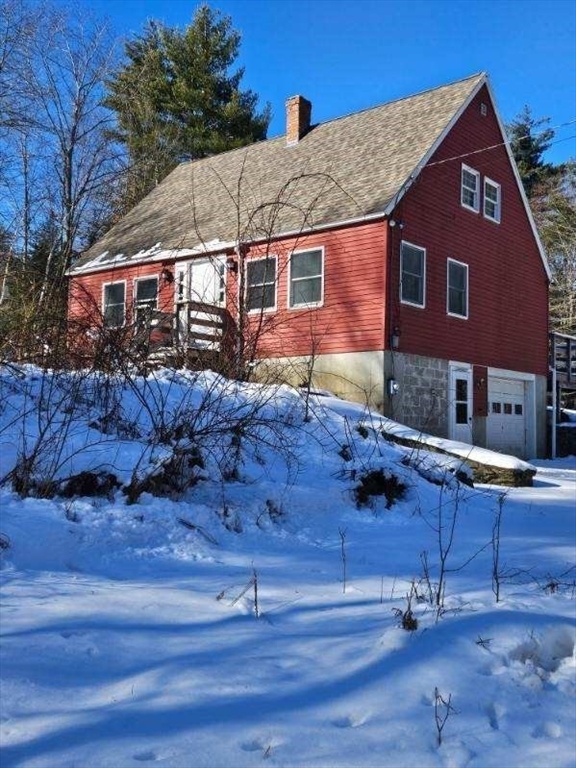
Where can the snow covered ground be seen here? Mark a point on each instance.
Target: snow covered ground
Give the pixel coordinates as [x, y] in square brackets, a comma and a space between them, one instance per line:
[129, 638]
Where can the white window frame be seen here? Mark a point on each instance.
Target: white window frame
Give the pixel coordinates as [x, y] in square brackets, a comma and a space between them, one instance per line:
[423, 250]
[104, 286]
[135, 303]
[498, 204]
[306, 305]
[448, 312]
[261, 310]
[476, 174]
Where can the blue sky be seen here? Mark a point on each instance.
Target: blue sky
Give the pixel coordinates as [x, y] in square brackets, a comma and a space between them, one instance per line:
[346, 56]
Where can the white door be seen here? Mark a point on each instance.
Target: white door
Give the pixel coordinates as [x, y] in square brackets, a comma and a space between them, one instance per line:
[506, 423]
[460, 403]
[201, 281]
[207, 281]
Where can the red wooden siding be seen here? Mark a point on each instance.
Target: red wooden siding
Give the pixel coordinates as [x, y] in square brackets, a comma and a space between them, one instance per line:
[86, 290]
[508, 289]
[351, 318]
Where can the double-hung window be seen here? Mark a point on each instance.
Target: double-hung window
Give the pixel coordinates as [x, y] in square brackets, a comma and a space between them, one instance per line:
[114, 304]
[261, 284]
[457, 289]
[470, 188]
[306, 278]
[145, 298]
[412, 275]
[492, 204]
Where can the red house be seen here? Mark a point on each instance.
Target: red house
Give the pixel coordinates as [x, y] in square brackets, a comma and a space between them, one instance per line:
[390, 253]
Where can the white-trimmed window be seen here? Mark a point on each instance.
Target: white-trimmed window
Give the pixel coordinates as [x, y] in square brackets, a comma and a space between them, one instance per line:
[457, 289]
[412, 275]
[492, 200]
[261, 284]
[306, 278]
[114, 304]
[145, 297]
[470, 188]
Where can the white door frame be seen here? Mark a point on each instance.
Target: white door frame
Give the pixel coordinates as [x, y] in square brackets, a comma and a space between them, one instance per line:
[461, 371]
[183, 287]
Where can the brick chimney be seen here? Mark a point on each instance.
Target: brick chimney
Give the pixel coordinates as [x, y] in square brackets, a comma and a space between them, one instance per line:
[298, 114]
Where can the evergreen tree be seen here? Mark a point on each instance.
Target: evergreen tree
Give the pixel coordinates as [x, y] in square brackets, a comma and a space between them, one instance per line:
[46, 252]
[554, 207]
[529, 140]
[176, 98]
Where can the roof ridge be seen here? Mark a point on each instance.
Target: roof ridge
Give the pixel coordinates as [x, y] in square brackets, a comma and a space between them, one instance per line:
[335, 119]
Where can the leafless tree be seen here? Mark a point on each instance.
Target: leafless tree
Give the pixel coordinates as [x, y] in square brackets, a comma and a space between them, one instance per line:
[54, 128]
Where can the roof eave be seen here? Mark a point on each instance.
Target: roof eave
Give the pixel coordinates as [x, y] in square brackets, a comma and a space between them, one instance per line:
[438, 141]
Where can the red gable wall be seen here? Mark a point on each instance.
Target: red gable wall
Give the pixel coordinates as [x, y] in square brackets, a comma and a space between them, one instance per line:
[508, 289]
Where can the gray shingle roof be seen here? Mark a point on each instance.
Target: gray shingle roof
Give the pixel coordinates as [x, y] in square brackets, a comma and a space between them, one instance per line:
[343, 169]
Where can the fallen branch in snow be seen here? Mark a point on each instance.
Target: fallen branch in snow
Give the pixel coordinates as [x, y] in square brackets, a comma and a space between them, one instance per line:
[253, 583]
[197, 528]
[342, 534]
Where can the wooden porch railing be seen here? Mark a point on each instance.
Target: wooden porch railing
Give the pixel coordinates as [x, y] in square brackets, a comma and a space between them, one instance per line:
[563, 359]
[194, 326]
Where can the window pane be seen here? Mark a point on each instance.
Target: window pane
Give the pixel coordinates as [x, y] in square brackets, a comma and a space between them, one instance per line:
[457, 289]
[114, 294]
[491, 192]
[469, 179]
[456, 302]
[306, 291]
[261, 271]
[412, 274]
[496, 408]
[306, 264]
[518, 410]
[146, 289]
[412, 289]
[461, 389]
[469, 198]
[114, 315]
[412, 260]
[457, 275]
[508, 408]
[461, 413]
[260, 297]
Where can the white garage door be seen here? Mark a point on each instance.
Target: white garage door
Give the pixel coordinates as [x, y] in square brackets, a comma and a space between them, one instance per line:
[506, 424]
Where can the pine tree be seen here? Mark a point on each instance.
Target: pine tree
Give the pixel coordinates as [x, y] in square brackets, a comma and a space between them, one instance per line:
[529, 140]
[45, 252]
[554, 206]
[176, 98]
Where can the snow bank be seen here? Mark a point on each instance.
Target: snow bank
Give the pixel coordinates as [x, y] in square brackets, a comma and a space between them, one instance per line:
[129, 632]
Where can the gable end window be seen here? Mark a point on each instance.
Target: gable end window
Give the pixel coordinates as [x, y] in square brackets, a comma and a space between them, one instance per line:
[412, 275]
[114, 304]
[470, 189]
[306, 278]
[457, 289]
[261, 284]
[492, 196]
